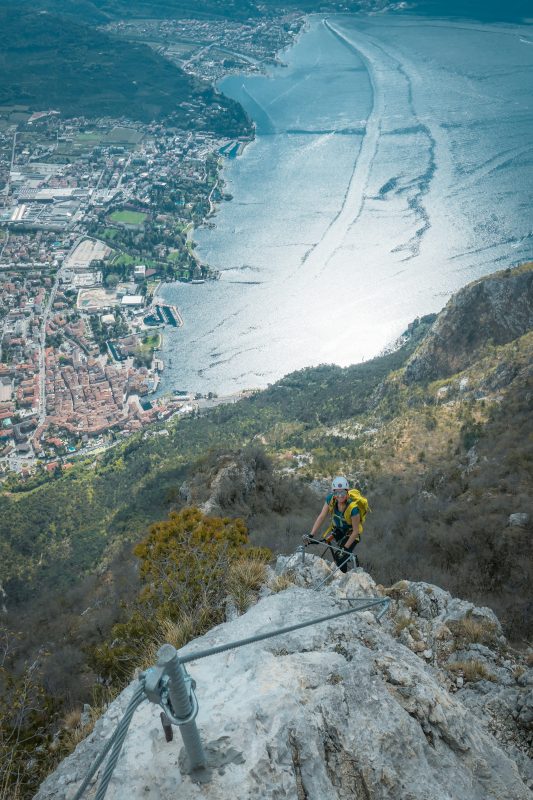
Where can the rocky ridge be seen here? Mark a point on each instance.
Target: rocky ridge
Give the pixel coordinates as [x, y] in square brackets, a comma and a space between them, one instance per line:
[429, 702]
[497, 308]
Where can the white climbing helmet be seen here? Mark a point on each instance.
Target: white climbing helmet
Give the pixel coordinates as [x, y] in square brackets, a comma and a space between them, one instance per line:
[339, 484]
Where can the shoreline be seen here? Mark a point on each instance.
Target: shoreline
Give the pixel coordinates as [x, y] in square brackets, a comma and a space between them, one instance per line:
[220, 183]
[379, 335]
[242, 143]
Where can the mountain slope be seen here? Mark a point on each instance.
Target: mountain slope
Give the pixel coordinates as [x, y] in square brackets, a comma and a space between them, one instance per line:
[447, 465]
[52, 533]
[440, 508]
[48, 61]
[496, 309]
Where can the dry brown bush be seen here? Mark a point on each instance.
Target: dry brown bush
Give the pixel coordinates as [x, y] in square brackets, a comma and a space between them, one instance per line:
[402, 622]
[471, 670]
[245, 577]
[281, 582]
[469, 631]
[248, 573]
[72, 719]
[176, 632]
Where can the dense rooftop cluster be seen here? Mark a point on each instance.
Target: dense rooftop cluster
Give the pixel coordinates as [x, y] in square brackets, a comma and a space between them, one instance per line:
[95, 213]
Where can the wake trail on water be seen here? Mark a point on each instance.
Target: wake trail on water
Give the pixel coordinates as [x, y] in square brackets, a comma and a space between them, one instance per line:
[319, 255]
[491, 165]
[416, 202]
[320, 140]
[297, 84]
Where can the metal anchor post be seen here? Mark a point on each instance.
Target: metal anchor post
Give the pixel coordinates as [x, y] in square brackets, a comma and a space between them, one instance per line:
[183, 708]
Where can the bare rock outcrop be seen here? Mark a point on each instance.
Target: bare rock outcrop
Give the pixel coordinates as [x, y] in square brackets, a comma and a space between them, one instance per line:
[232, 484]
[344, 709]
[497, 308]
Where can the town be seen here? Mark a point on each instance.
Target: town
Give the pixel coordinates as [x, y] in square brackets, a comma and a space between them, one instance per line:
[95, 214]
[213, 49]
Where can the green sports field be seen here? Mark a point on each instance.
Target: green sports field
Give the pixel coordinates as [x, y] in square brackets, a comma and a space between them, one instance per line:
[128, 217]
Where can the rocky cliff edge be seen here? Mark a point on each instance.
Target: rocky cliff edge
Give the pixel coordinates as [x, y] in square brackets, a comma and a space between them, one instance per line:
[412, 707]
[495, 309]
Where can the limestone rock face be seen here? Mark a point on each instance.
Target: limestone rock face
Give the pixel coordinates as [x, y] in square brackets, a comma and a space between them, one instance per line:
[236, 478]
[340, 710]
[498, 308]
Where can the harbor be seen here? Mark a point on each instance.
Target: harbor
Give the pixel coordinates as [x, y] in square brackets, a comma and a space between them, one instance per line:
[162, 314]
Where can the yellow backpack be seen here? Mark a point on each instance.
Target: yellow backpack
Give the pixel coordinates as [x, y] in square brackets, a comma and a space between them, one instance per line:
[355, 498]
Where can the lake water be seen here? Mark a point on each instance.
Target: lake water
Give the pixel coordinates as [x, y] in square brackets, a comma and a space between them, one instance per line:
[393, 164]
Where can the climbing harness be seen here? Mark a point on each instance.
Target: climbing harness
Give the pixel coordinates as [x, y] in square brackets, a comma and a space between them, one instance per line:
[350, 558]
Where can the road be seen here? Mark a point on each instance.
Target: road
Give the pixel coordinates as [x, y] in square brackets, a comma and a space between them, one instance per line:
[228, 399]
[210, 199]
[125, 167]
[42, 339]
[12, 164]
[8, 187]
[1, 254]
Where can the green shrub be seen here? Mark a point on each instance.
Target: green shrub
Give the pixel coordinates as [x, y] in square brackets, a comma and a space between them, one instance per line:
[190, 564]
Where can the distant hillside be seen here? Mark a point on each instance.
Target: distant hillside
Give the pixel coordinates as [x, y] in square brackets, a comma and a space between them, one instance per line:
[100, 11]
[47, 61]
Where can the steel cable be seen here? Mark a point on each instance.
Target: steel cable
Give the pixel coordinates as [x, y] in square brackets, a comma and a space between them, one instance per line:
[187, 658]
[116, 739]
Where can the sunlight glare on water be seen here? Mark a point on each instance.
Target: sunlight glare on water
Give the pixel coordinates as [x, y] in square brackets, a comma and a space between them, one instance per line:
[392, 165]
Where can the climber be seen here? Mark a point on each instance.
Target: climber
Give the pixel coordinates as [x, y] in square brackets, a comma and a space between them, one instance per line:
[347, 508]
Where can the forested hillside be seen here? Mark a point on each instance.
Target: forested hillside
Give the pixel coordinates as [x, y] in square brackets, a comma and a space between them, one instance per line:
[61, 528]
[102, 11]
[51, 62]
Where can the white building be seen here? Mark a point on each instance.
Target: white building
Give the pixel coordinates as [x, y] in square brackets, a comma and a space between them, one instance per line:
[139, 272]
[133, 300]
[84, 280]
